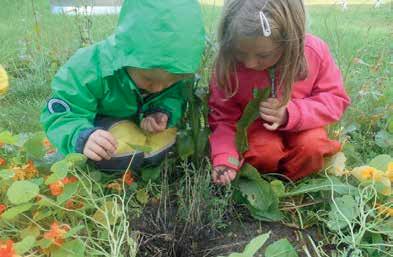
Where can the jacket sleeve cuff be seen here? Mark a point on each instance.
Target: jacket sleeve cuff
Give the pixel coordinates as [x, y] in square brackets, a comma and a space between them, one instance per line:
[294, 117]
[82, 138]
[226, 160]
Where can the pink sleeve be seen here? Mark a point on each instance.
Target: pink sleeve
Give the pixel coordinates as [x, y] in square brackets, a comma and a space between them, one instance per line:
[327, 102]
[223, 116]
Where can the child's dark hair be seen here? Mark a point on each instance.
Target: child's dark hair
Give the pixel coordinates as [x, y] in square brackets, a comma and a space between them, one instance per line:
[241, 18]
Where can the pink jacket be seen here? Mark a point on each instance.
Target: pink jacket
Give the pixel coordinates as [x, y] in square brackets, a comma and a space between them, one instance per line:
[318, 100]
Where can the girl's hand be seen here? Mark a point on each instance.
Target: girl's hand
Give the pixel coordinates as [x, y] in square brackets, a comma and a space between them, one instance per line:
[100, 145]
[223, 175]
[155, 122]
[271, 111]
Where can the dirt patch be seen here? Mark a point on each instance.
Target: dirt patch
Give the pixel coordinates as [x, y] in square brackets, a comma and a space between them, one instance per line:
[163, 235]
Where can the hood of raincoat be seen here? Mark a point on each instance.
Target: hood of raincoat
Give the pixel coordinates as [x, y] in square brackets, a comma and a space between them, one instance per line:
[166, 34]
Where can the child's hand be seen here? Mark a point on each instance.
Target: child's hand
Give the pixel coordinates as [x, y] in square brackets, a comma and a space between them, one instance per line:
[155, 122]
[100, 145]
[271, 111]
[223, 175]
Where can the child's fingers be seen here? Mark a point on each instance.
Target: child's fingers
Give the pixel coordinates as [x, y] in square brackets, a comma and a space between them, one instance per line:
[108, 136]
[105, 144]
[271, 127]
[92, 155]
[268, 111]
[232, 175]
[268, 118]
[155, 126]
[99, 151]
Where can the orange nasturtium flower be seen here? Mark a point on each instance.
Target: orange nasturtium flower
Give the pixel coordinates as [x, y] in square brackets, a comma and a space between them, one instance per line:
[127, 178]
[48, 146]
[57, 188]
[3, 207]
[2, 162]
[72, 204]
[7, 249]
[56, 233]
[364, 173]
[26, 171]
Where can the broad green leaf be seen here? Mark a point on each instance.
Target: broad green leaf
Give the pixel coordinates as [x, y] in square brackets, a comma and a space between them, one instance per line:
[76, 159]
[34, 145]
[345, 210]
[384, 139]
[281, 248]
[141, 148]
[381, 162]
[252, 247]
[323, 184]
[62, 166]
[42, 214]
[74, 248]
[14, 211]
[259, 196]
[69, 191]
[278, 187]
[7, 138]
[185, 145]
[250, 114]
[110, 210]
[31, 230]
[25, 245]
[202, 140]
[151, 173]
[7, 174]
[22, 192]
[142, 196]
[57, 175]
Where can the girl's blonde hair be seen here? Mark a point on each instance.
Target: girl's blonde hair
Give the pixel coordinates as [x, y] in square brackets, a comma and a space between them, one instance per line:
[241, 18]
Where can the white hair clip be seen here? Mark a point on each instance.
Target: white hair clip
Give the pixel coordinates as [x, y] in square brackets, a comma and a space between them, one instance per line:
[265, 24]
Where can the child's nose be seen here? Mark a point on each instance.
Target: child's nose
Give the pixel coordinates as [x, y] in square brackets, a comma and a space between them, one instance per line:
[251, 62]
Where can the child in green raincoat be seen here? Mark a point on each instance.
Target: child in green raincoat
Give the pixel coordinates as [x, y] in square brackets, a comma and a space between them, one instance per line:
[137, 74]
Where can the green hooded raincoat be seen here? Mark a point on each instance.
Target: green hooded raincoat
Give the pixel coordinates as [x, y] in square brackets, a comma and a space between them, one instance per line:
[94, 82]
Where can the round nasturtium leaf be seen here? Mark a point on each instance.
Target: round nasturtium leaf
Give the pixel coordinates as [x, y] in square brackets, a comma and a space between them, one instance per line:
[22, 192]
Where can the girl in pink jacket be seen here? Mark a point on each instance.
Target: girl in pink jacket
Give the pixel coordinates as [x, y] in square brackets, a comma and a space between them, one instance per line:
[262, 43]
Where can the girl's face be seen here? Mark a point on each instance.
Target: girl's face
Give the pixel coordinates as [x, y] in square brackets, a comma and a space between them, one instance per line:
[154, 80]
[257, 53]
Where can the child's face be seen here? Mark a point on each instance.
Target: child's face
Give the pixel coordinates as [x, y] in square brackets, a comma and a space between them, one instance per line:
[257, 53]
[155, 80]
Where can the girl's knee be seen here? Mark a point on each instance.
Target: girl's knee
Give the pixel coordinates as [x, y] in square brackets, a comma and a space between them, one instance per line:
[265, 157]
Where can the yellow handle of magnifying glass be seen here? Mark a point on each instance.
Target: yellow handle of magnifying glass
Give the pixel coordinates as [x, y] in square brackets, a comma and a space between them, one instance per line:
[4, 83]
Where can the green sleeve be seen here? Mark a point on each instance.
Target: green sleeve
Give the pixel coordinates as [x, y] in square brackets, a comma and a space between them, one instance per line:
[72, 106]
[172, 102]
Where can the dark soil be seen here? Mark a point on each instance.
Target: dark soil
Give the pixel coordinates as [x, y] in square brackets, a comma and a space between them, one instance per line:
[163, 235]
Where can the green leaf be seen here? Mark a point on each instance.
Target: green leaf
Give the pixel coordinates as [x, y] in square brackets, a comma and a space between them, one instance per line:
[185, 145]
[141, 148]
[142, 196]
[15, 211]
[323, 184]
[34, 146]
[62, 166]
[7, 174]
[257, 194]
[73, 231]
[278, 187]
[25, 245]
[58, 174]
[384, 139]
[76, 159]
[7, 138]
[390, 125]
[201, 141]
[281, 248]
[109, 209]
[252, 247]
[381, 162]
[250, 114]
[74, 248]
[69, 191]
[151, 173]
[22, 192]
[346, 211]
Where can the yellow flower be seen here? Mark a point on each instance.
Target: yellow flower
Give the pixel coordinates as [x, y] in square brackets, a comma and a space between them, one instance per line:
[365, 173]
[389, 171]
[3, 81]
